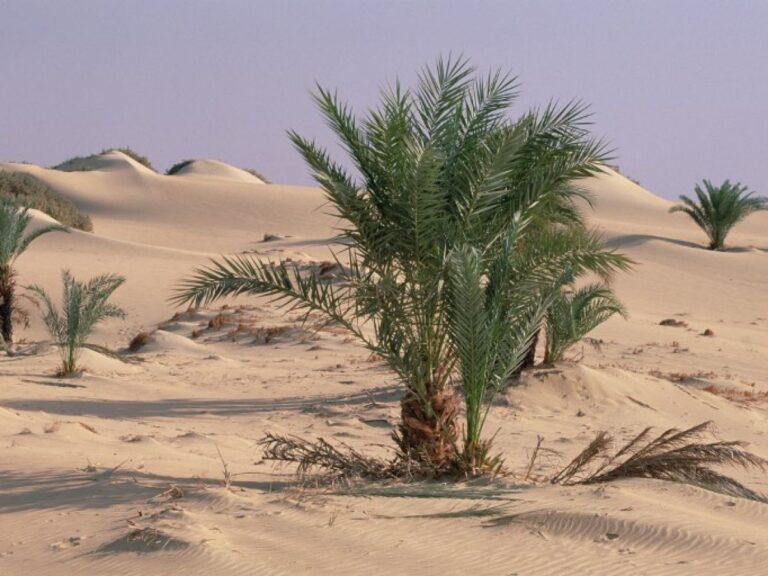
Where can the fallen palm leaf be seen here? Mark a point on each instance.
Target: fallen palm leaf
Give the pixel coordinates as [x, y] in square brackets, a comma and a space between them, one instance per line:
[675, 456]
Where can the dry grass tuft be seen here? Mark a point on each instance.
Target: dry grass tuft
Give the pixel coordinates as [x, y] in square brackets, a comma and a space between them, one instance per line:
[674, 323]
[266, 334]
[682, 376]
[219, 321]
[52, 427]
[674, 456]
[737, 395]
[139, 341]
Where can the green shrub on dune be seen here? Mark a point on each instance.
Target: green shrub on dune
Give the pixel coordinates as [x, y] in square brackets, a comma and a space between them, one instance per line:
[178, 167]
[28, 191]
[80, 163]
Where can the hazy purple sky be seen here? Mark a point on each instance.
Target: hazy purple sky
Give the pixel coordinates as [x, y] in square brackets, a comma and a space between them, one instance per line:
[680, 88]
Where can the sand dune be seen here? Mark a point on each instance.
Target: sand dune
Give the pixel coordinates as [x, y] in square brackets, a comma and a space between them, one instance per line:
[121, 471]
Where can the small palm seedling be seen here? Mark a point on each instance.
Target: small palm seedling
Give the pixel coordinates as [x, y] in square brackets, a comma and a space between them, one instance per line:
[14, 240]
[675, 455]
[84, 304]
[719, 209]
[574, 314]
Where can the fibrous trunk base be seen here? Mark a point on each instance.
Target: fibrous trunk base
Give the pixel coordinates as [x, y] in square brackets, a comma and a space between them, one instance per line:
[429, 434]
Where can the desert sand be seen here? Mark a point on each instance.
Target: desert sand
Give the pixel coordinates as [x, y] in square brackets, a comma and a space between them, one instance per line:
[150, 443]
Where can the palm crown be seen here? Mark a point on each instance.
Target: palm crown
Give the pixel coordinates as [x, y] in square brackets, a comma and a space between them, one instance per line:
[456, 229]
[719, 209]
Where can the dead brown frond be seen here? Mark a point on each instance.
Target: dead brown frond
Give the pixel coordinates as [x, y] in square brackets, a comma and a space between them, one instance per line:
[675, 456]
[344, 463]
[597, 447]
[534, 455]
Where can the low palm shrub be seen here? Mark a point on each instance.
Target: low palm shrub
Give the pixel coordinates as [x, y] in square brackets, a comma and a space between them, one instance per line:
[449, 249]
[84, 304]
[717, 209]
[14, 241]
[573, 314]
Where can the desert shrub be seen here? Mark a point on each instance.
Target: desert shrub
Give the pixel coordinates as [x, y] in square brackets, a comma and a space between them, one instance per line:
[84, 304]
[26, 190]
[178, 167]
[717, 209]
[258, 175]
[139, 341]
[79, 163]
[131, 153]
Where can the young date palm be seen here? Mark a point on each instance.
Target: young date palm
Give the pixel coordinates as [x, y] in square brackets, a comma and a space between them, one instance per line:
[84, 304]
[572, 315]
[449, 188]
[14, 240]
[719, 209]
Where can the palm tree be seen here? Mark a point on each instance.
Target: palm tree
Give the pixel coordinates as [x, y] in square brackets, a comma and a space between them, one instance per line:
[450, 191]
[573, 314]
[14, 240]
[720, 208]
[84, 304]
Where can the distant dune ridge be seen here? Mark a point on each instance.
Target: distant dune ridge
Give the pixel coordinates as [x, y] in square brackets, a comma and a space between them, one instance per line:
[166, 433]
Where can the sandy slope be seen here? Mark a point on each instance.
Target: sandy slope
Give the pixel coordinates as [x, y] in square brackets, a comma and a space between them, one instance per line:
[132, 446]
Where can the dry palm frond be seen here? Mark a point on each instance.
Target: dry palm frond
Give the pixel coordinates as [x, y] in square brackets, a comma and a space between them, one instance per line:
[675, 456]
[346, 463]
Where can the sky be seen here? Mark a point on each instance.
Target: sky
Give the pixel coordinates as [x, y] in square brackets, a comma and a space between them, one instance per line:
[679, 88]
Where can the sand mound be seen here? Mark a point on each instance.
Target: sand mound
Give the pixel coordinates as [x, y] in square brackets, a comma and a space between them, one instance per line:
[216, 169]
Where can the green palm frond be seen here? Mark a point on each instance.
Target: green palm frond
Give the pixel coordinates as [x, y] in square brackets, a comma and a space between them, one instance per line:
[717, 209]
[14, 221]
[84, 304]
[572, 315]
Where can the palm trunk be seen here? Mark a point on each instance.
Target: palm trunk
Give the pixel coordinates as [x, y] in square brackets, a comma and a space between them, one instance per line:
[430, 436]
[7, 286]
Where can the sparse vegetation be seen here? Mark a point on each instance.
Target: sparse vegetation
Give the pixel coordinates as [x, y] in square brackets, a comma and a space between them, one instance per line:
[139, 341]
[84, 304]
[28, 191]
[80, 163]
[719, 208]
[258, 175]
[178, 167]
[453, 249]
[575, 313]
[14, 241]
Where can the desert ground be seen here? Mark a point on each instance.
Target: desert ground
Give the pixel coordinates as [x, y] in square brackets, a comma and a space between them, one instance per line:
[150, 464]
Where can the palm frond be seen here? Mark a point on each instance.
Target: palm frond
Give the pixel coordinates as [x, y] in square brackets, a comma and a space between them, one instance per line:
[675, 456]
